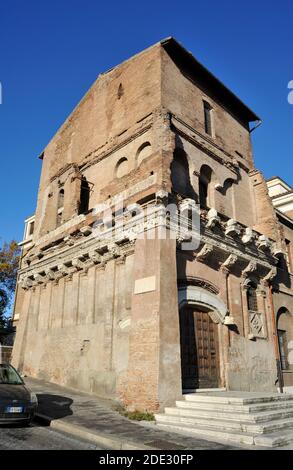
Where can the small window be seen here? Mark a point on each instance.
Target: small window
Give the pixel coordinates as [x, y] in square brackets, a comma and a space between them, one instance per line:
[84, 196]
[252, 299]
[31, 228]
[207, 118]
[283, 347]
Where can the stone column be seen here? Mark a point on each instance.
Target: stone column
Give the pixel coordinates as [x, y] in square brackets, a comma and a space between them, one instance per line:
[154, 371]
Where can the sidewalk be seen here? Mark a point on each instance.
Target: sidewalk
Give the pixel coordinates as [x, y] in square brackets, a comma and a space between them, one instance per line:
[96, 420]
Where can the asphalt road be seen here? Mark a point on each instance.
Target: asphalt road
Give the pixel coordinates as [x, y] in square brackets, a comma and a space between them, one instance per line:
[40, 438]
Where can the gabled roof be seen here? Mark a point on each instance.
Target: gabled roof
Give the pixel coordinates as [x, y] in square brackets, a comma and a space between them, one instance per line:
[207, 80]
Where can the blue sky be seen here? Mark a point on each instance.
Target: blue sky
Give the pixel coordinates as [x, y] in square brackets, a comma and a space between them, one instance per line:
[52, 51]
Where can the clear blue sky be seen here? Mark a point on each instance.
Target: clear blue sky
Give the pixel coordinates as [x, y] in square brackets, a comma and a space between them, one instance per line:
[52, 51]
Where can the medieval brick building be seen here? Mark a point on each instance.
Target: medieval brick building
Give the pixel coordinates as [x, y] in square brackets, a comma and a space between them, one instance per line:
[137, 317]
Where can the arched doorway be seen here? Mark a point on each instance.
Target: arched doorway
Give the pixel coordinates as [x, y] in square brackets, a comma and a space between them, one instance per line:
[200, 312]
[199, 348]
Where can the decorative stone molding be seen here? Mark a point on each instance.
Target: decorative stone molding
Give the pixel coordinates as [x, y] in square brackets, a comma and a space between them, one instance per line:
[114, 250]
[77, 264]
[205, 251]
[230, 262]
[250, 268]
[183, 238]
[162, 197]
[270, 276]
[86, 230]
[64, 269]
[213, 218]
[256, 325]
[69, 240]
[232, 228]
[187, 205]
[263, 243]
[198, 282]
[50, 274]
[229, 321]
[38, 278]
[278, 252]
[95, 257]
[76, 253]
[192, 295]
[249, 236]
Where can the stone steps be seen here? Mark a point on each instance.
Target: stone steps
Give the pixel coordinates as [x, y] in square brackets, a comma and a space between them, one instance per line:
[232, 415]
[266, 440]
[227, 398]
[228, 425]
[226, 407]
[245, 418]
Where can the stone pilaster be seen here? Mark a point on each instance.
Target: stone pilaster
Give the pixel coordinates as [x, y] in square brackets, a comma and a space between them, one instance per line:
[154, 372]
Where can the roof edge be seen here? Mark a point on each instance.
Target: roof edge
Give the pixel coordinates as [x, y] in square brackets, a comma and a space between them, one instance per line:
[171, 44]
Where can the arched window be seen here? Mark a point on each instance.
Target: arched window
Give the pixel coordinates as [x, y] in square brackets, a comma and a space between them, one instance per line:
[285, 335]
[60, 207]
[84, 196]
[204, 186]
[252, 298]
[61, 199]
[180, 176]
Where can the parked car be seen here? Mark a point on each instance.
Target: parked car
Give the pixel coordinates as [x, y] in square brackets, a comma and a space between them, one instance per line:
[17, 403]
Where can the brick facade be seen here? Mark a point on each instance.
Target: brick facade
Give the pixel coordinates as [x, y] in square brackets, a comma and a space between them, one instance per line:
[103, 314]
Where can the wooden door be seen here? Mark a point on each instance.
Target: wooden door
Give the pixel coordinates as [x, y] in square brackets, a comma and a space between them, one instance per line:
[199, 349]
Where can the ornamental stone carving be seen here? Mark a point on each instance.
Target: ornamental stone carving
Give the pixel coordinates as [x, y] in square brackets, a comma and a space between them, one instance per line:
[232, 228]
[230, 262]
[250, 268]
[256, 325]
[213, 218]
[249, 236]
[205, 251]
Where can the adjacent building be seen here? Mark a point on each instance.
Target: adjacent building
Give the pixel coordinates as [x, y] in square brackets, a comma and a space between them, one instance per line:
[282, 198]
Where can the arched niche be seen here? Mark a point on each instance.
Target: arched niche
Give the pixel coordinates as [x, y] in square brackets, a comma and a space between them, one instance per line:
[180, 174]
[121, 168]
[197, 296]
[143, 152]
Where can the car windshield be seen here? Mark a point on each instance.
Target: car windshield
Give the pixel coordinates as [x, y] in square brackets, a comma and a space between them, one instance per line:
[9, 376]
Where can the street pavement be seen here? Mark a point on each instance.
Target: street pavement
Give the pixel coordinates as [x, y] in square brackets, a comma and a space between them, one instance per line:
[97, 420]
[40, 438]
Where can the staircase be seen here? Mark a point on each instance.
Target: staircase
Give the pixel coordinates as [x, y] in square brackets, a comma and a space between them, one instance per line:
[260, 419]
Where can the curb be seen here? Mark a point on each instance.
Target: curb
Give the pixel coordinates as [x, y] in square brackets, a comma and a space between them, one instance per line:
[112, 443]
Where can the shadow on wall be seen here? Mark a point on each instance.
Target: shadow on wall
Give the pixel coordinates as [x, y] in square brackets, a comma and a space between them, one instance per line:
[54, 406]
